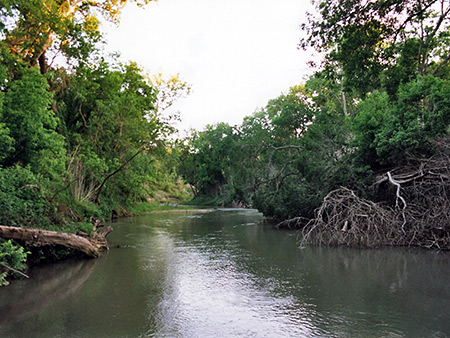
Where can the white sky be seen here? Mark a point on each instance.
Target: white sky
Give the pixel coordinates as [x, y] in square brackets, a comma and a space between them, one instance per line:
[236, 54]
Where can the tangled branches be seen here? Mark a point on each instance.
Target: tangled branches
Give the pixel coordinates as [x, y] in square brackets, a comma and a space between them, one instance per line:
[414, 209]
[346, 219]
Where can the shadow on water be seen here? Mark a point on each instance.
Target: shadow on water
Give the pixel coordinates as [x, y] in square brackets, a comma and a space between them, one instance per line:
[225, 273]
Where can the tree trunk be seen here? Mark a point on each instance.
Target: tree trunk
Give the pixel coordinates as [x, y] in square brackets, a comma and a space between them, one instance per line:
[91, 246]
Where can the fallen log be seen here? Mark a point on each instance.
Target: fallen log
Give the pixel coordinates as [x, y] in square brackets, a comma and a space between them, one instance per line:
[91, 246]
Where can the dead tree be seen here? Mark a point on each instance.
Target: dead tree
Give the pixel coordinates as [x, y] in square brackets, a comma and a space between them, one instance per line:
[90, 245]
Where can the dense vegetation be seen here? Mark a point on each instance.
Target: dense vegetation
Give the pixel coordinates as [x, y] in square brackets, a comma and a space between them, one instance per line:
[81, 135]
[360, 153]
[357, 155]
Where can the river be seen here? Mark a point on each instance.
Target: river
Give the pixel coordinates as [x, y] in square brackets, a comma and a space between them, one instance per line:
[227, 274]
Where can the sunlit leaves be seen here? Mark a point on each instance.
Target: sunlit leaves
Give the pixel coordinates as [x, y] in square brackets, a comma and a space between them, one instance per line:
[169, 90]
[32, 27]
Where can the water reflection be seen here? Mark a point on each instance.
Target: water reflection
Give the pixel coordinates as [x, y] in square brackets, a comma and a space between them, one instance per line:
[208, 294]
[223, 274]
[48, 284]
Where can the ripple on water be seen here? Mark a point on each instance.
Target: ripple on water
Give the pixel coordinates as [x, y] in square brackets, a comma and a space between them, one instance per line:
[214, 297]
[222, 276]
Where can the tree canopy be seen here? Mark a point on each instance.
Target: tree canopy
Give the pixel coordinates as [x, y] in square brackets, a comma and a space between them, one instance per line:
[365, 38]
[31, 28]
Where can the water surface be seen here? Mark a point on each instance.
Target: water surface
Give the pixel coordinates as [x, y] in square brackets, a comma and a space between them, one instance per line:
[226, 274]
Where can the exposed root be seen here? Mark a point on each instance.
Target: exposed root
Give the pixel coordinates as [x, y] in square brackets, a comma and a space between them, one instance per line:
[346, 219]
[292, 223]
[415, 213]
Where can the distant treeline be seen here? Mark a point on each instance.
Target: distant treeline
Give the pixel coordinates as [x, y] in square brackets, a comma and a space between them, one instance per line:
[373, 120]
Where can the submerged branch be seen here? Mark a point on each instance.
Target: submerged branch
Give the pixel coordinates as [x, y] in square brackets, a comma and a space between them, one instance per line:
[14, 270]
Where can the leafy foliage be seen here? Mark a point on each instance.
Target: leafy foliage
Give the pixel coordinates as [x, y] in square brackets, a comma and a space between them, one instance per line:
[12, 259]
[209, 155]
[33, 28]
[282, 160]
[376, 42]
[21, 199]
[31, 124]
[388, 133]
[88, 139]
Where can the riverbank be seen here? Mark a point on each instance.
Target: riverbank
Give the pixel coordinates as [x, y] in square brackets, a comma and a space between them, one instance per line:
[23, 247]
[181, 211]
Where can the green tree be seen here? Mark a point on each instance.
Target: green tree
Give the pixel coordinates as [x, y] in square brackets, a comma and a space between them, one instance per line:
[373, 113]
[6, 141]
[367, 38]
[290, 113]
[32, 27]
[388, 133]
[110, 120]
[32, 125]
[282, 159]
[208, 158]
[420, 115]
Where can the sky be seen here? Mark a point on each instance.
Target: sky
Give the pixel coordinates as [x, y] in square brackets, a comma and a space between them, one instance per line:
[236, 54]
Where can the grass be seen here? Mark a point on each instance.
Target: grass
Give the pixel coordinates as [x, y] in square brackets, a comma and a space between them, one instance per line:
[207, 201]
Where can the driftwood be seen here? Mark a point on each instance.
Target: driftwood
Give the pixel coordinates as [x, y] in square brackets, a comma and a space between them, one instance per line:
[91, 246]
